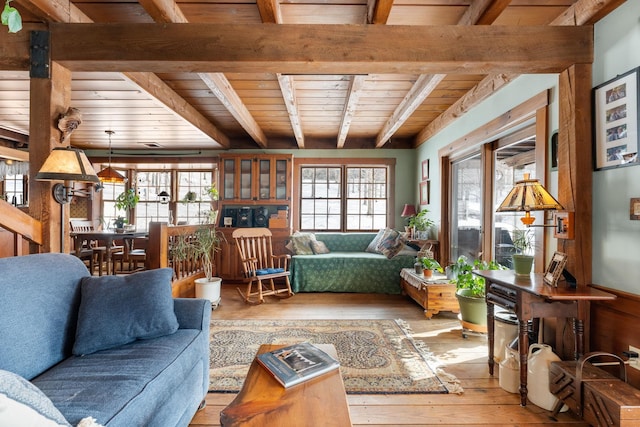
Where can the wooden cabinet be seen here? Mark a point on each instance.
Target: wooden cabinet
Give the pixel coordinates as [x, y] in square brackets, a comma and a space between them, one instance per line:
[260, 178]
[261, 184]
[228, 264]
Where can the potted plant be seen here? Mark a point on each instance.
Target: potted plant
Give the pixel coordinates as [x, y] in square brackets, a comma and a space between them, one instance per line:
[429, 265]
[125, 201]
[190, 197]
[421, 224]
[119, 223]
[205, 244]
[523, 246]
[470, 290]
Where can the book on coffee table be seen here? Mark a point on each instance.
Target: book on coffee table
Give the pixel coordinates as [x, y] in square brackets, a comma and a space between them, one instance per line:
[297, 363]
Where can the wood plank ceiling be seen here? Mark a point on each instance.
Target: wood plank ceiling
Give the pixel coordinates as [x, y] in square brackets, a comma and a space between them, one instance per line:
[214, 110]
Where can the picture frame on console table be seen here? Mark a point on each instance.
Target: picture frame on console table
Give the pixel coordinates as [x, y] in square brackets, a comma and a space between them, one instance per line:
[554, 269]
[616, 121]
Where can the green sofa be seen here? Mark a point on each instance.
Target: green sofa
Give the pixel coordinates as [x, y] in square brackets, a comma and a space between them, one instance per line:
[348, 267]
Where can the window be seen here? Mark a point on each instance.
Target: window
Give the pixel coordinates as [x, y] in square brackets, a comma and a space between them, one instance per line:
[149, 185]
[194, 205]
[344, 197]
[14, 190]
[466, 208]
[110, 193]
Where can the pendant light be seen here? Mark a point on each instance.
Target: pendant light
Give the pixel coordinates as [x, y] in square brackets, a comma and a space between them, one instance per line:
[109, 174]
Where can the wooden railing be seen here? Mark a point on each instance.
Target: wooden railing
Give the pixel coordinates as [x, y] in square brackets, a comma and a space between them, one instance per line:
[22, 228]
[163, 239]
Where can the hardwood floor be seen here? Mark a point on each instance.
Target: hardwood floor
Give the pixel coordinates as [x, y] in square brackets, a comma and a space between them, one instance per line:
[483, 402]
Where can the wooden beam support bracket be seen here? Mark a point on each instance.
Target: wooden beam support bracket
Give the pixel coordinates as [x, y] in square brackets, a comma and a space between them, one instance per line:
[40, 55]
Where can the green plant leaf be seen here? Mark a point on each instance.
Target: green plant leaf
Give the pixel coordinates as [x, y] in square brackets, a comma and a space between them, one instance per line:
[11, 18]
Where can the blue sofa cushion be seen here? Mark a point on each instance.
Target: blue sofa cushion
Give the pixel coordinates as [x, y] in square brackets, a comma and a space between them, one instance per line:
[23, 404]
[130, 384]
[116, 310]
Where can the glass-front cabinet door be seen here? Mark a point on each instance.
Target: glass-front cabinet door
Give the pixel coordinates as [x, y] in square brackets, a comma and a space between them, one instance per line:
[246, 179]
[264, 179]
[229, 175]
[282, 172]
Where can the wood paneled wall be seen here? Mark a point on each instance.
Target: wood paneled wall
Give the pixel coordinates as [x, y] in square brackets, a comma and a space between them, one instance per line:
[614, 326]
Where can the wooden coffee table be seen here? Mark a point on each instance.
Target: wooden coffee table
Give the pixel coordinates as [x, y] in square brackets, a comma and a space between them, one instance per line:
[433, 294]
[321, 401]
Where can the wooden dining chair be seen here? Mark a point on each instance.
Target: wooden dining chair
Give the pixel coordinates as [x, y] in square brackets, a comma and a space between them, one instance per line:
[100, 252]
[261, 268]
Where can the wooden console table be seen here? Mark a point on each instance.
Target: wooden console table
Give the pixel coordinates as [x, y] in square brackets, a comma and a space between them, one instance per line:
[434, 295]
[319, 402]
[530, 298]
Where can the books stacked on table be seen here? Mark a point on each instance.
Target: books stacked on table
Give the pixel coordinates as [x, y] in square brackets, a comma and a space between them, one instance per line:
[297, 363]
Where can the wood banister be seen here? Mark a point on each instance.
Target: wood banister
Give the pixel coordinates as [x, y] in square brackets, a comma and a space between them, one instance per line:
[21, 225]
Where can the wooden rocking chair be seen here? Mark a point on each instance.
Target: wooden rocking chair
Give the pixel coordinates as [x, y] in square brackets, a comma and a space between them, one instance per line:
[260, 266]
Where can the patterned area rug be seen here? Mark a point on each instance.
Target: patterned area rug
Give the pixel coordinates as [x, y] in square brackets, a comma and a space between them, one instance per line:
[376, 356]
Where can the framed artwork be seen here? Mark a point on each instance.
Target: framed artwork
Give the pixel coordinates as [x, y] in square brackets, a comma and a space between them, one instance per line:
[554, 269]
[425, 169]
[634, 209]
[424, 193]
[616, 121]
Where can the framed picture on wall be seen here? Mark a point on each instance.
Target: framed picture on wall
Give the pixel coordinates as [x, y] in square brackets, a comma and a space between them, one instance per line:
[424, 193]
[616, 121]
[425, 170]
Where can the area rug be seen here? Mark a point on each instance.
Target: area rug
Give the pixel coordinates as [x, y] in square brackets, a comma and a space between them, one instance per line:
[376, 356]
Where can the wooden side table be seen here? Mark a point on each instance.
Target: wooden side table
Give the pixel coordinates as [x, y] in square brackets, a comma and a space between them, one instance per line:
[321, 401]
[434, 295]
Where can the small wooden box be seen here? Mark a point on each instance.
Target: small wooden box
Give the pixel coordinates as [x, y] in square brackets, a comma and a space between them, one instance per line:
[278, 222]
[564, 385]
[611, 403]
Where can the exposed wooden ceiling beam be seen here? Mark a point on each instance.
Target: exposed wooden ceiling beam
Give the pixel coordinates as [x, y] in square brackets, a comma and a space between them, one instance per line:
[169, 11]
[423, 87]
[66, 12]
[13, 154]
[379, 11]
[580, 13]
[289, 95]
[271, 13]
[483, 12]
[480, 11]
[20, 139]
[354, 92]
[319, 49]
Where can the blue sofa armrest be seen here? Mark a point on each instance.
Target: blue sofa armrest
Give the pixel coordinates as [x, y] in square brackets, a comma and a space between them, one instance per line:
[193, 313]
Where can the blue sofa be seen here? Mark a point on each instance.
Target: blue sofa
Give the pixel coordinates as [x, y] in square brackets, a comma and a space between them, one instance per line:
[118, 349]
[348, 267]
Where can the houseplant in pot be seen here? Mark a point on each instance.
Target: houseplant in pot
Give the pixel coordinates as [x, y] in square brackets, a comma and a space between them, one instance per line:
[421, 225]
[429, 265]
[470, 290]
[126, 201]
[523, 246]
[205, 244]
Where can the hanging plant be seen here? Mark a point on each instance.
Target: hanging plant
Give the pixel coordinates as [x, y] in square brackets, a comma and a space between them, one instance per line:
[11, 18]
[190, 197]
[127, 200]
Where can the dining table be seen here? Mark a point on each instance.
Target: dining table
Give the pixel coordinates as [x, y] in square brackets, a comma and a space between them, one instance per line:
[106, 238]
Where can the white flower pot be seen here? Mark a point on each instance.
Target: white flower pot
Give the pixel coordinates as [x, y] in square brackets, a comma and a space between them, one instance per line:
[209, 289]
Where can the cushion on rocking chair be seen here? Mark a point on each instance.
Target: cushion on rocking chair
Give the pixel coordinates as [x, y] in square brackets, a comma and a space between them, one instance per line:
[263, 271]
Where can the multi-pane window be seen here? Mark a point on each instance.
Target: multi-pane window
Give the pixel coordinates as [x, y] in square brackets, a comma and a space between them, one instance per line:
[14, 190]
[341, 198]
[148, 185]
[110, 192]
[194, 205]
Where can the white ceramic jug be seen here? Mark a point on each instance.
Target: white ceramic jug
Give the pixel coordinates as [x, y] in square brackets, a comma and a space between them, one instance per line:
[510, 371]
[538, 376]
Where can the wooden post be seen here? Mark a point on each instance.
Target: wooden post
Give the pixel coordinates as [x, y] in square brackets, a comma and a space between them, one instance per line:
[575, 169]
[50, 97]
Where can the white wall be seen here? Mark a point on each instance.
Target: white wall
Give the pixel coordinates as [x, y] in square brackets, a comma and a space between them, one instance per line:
[616, 239]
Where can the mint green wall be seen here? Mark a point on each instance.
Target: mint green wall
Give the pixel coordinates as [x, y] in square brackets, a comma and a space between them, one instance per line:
[616, 239]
